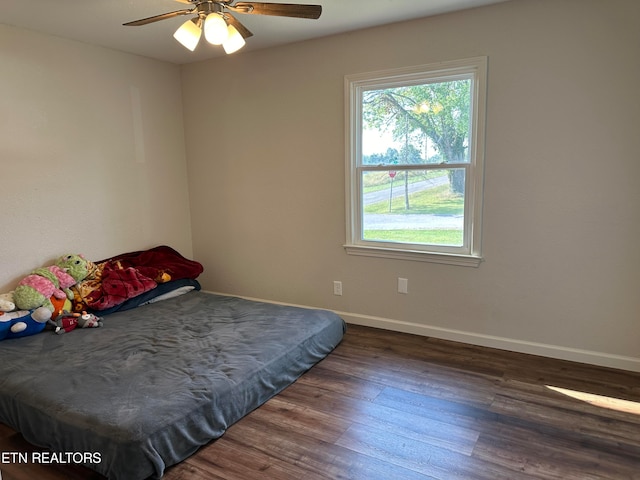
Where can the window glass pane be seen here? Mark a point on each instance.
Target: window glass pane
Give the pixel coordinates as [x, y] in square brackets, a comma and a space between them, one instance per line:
[414, 206]
[417, 124]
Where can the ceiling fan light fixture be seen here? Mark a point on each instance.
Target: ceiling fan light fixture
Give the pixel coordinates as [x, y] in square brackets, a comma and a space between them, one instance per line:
[188, 34]
[220, 26]
[234, 42]
[215, 29]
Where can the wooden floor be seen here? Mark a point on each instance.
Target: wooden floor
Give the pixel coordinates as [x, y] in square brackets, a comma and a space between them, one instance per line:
[387, 406]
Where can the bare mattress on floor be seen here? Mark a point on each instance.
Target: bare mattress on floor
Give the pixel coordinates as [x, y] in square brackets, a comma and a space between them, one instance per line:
[155, 383]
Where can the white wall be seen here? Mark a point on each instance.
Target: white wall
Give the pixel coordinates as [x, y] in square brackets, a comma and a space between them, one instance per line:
[92, 148]
[91, 151]
[562, 266]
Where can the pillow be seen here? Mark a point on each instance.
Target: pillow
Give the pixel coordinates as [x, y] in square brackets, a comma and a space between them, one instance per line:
[173, 293]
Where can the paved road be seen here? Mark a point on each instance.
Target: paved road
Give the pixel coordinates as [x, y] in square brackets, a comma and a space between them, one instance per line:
[398, 189]
[412, 222]
[409, 221]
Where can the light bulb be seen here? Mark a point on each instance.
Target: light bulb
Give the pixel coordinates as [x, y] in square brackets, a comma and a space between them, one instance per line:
[188, 34]
[215, 29]
[234, 42]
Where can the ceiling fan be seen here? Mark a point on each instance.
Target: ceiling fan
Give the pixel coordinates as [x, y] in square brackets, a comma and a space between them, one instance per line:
[220, 27]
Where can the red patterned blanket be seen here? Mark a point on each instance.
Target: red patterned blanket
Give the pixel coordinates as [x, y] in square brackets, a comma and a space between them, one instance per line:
[117, 279]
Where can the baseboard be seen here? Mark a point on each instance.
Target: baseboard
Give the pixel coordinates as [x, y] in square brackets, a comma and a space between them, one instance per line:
[520, 346]
[502, 343]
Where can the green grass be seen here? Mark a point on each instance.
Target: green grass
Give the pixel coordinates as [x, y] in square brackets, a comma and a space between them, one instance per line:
[376, 181]
[436, 201]
[426, 237]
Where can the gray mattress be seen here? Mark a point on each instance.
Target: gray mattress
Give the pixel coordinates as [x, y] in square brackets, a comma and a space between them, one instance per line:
[155, 383]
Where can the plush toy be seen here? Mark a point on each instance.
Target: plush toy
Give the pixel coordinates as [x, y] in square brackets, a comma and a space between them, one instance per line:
[23, 323]
[67, 322]
[6, 302]
[77, 266]
[5, 324]
[36, 289]
[60, 305]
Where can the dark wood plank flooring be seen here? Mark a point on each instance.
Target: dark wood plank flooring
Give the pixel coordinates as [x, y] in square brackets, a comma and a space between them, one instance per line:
[387, 405]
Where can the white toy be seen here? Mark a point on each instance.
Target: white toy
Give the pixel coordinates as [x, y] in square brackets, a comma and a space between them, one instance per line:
[6, 302]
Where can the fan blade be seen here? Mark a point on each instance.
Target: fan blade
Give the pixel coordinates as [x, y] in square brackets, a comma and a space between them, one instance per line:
[242, 30]
[156, 18]
[278, 9]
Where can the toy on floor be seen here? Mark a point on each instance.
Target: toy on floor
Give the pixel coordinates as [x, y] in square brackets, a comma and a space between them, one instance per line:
[67, 322]
[35, 289]
[23, 323]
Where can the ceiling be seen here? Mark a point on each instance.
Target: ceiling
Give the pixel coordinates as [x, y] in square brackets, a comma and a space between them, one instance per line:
[99, 22]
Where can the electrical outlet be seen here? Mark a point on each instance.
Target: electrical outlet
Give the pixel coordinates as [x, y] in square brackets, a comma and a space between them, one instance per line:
[337, 287]
[403, 285]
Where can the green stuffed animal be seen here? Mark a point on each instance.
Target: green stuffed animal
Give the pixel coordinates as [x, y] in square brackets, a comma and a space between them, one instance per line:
[77, 266]
[35, 289]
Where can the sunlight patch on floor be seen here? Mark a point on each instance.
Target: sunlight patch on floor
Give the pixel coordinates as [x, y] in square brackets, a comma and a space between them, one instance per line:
[601, 401]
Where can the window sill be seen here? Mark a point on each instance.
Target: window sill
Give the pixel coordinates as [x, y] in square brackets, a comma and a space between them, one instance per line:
[415, 255]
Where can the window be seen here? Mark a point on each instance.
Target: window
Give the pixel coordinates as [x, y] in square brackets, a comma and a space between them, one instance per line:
[415, 162]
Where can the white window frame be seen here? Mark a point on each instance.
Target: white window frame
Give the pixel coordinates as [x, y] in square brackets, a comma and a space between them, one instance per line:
[469, 254]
